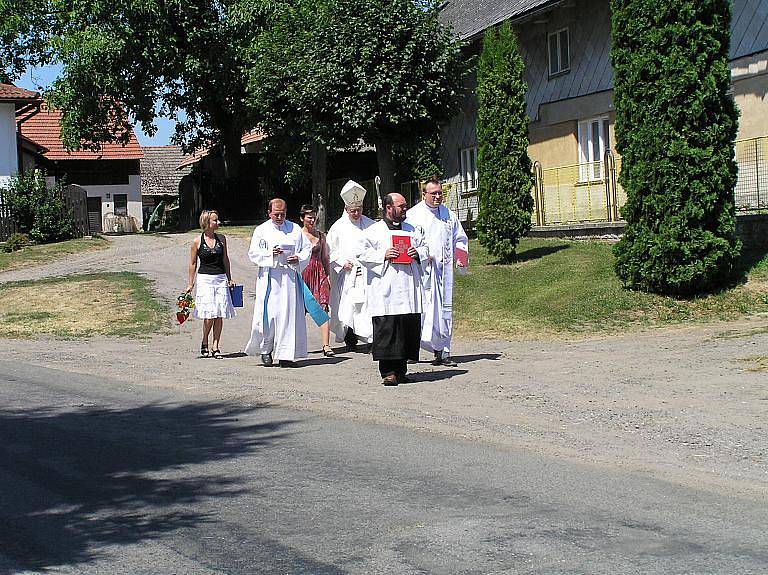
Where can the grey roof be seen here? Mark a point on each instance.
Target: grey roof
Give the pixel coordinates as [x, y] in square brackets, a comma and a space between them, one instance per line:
[470, 17]
[749, 26]
[159, 175]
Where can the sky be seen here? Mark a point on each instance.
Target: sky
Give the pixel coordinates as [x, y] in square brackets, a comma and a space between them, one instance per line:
[39, 79]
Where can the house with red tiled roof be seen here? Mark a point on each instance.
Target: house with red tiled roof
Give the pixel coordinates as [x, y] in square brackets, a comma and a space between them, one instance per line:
[13, 99]
[111, 175]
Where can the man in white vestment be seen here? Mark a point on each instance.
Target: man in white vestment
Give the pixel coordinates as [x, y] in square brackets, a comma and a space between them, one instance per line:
[445, 236]
[350, 320]
[392, 252]
[281, 251]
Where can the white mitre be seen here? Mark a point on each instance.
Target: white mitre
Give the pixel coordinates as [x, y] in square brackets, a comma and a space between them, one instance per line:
[352, 193]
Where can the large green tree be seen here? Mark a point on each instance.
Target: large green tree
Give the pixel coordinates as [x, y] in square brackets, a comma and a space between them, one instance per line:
[135, 61]
[504, 168]
[675, 129]
[379, 71]
[399, 72]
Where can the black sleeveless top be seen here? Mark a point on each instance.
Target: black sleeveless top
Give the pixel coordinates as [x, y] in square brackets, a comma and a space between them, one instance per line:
[211, 260]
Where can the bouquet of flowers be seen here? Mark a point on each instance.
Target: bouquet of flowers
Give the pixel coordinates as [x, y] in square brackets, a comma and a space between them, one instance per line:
[184, 303]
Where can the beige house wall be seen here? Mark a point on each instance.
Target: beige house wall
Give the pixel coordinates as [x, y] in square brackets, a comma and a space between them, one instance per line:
[554, 139]
[750, 91]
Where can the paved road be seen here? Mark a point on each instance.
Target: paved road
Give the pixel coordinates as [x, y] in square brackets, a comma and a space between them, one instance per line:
[104, 476]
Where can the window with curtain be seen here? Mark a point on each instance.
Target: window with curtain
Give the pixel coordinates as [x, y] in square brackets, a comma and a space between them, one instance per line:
[559, 50]
[593, 143]
[468, 169]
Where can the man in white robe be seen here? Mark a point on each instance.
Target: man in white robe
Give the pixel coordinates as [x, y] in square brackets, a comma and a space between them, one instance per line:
[350, 319]
[392, 253]
[445, 237]
[281, 251]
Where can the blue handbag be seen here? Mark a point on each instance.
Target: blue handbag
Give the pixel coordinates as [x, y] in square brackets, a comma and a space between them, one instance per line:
[236, 291]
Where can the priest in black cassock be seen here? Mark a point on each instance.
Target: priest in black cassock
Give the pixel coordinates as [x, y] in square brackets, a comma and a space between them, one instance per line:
[392, 252]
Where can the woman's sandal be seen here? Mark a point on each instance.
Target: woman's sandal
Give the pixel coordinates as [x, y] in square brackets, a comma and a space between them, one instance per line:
[327, 351]
[204, 350]
[216, 354]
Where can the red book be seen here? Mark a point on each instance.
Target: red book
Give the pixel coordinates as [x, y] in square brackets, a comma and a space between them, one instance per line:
[401, 244]
[462, 257]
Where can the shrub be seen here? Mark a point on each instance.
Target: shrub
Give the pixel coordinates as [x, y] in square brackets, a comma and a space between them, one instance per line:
[675, 129]
[38, 210]
[15, 242]
[504, 168]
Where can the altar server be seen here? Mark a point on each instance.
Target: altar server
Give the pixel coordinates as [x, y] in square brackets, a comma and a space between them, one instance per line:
[281, 251]
[446, 239]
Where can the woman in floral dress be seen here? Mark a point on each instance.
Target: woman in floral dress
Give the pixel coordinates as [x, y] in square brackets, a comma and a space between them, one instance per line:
[317, 273]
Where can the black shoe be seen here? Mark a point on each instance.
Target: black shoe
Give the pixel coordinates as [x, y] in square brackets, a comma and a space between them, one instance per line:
[389, 380]
[266, 359]
[286, 363]
[438, 358]
[448, 361]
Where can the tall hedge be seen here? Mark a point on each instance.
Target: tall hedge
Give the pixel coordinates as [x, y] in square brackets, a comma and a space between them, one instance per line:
[675, 129]
[504, 168]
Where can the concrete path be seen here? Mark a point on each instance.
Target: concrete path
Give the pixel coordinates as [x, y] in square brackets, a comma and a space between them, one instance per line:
[102, 476]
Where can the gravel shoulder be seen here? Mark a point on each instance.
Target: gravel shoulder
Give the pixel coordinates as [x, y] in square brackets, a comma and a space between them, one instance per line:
[677, 404]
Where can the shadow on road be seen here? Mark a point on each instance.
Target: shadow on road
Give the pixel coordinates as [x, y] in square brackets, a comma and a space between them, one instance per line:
[72, 481]
[425, 376]
[476, 357]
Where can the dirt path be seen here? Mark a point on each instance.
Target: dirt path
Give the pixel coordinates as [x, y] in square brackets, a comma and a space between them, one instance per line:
[679, 404]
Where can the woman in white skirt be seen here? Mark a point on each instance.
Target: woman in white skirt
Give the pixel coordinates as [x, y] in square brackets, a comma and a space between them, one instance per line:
[213, 300]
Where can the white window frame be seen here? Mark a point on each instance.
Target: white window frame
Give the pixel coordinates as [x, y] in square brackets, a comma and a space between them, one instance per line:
[562, 40]
[594, 140]
[468, 158]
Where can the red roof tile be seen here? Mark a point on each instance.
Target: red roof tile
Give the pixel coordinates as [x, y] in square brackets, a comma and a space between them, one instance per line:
[44, 128]
[10, 93]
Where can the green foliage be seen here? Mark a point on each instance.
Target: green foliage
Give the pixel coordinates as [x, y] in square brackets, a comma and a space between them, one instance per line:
[504, 168]
[340, 71]
[15, 242]
[138, 60]
[38, 210]
[675, 129]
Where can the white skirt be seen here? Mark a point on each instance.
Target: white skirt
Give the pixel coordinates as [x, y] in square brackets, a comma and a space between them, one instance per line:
[212, 297]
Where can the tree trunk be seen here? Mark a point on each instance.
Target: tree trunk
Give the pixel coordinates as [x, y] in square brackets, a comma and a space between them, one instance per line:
[232, 200]
[386, 166]
[319, 154]
[231, 145]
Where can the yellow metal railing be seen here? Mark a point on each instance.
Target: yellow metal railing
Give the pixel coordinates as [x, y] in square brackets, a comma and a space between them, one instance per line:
[591, 192]
[578, 193]
[751, 192]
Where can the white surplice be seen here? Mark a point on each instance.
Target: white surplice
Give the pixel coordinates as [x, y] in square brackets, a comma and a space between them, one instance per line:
[279, 326]
[393, 289]
[444, 234]
[348, 287]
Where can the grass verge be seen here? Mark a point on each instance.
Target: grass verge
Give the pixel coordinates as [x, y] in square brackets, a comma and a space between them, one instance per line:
[568, 289]
[119, 304]
[46, 253]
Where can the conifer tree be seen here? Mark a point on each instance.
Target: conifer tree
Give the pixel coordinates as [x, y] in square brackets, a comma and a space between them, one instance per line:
[675, 129]
[504, 168]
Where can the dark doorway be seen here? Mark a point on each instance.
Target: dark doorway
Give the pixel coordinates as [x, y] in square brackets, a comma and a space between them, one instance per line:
[94, 215]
